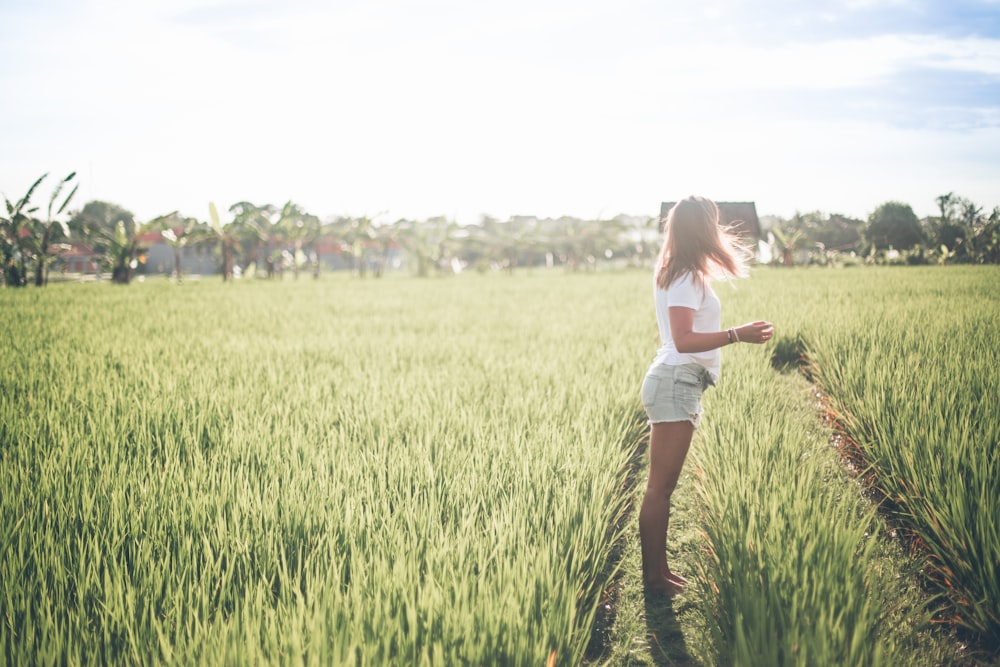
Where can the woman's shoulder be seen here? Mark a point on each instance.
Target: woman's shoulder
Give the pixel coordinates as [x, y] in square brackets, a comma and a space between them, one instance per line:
[688, 290]
[688, 280]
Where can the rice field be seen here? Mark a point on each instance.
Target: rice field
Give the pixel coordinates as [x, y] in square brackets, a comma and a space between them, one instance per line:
[916, 384]
[345, 472]
[441, 471]
[908, 362]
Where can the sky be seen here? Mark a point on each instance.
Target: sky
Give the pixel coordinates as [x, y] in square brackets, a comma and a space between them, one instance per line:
[463, 108]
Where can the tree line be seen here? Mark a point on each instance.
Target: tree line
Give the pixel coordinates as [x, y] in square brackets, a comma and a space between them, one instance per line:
[962, 232]
[268, 240]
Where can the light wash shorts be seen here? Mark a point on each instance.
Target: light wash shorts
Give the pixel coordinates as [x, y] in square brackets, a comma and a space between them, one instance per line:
[673, 393]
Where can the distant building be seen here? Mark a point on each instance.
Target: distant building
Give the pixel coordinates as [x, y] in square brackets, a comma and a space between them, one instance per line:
[79, 258]
[195, 259]
[740, 214]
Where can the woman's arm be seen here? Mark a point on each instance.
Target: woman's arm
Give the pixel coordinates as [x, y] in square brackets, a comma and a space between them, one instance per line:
[687, 341]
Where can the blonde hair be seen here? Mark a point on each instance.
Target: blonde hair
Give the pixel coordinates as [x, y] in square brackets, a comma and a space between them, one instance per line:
[696, 243]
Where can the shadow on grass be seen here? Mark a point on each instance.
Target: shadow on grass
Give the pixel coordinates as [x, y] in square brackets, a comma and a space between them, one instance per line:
[631, 627]
[636, 442]
[663, 632]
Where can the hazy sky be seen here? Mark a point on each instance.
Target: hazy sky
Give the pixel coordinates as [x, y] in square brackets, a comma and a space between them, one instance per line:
[462, 108]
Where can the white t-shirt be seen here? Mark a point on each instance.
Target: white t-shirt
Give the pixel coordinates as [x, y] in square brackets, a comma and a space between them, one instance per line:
[684, 291]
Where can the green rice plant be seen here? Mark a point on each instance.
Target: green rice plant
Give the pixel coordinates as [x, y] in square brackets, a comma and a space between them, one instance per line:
[907, 359]
[340, 472]
[800, 569]
[440, 471]
[792, 571]
[790, 352]
[914, 377]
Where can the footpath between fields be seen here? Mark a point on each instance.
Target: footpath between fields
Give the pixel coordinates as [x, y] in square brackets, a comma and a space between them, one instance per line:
[788, 559]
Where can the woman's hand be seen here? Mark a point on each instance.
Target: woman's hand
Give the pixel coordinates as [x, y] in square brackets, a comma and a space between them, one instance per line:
[755, 332]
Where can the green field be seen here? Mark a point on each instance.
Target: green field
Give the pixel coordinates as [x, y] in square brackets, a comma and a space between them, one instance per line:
[442, 471]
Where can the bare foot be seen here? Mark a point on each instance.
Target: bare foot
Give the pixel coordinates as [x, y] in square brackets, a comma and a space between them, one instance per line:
[663, 586]
[677, 579]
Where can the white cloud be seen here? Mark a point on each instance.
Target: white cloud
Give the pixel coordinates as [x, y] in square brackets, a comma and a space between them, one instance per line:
[973, 54]
[362, 107]
[855, 5]
[803, 66]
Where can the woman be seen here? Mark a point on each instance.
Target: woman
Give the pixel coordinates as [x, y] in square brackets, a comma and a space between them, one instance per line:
[695, 251]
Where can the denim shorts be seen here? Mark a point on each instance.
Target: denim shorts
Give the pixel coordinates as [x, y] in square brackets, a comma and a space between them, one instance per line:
[673, 393]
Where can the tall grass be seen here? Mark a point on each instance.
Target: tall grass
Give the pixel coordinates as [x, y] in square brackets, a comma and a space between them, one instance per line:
[380, 472]
[908, 359]
[436, 471]
[912, 366]
[793, 570]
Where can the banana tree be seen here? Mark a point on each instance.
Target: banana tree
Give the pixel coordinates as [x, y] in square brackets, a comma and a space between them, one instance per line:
[23, 237]
[988, 239]
[354, 235]
[430, 243]
[788, 241]
[13, 227]
[44, 239]
[301, 230]
[491, 243]
[257, 230]
[177, 233]
[581, 242]
[226, 237]
[123, 245]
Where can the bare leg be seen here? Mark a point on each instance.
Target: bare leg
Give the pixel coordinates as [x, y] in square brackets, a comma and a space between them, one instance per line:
[668, 447]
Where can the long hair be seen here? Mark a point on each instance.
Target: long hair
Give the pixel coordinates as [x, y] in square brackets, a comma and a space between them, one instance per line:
[696, 243]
